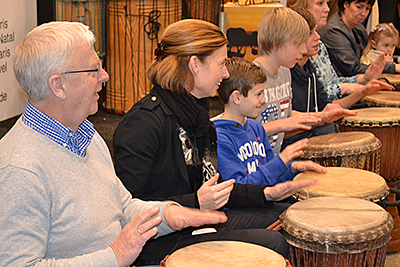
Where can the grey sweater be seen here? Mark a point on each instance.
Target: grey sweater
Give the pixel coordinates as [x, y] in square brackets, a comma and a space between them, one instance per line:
[57, 208]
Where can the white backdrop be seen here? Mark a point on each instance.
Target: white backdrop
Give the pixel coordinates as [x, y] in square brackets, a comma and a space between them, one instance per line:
[17, 17]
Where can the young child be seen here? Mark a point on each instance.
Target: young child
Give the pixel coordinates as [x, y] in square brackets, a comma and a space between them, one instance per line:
[282, 34]
[244, 153]
[384, 38]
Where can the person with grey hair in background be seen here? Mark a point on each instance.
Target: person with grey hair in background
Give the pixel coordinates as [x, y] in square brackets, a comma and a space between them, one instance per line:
[62, 204]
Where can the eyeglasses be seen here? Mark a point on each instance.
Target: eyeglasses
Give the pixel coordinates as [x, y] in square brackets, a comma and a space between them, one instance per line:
[97, 69]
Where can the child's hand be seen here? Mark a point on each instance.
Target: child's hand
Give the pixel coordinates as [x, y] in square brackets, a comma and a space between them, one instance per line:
[333, 112]
[302, 121]
[388, 58]
[308, 165]
[293, 151]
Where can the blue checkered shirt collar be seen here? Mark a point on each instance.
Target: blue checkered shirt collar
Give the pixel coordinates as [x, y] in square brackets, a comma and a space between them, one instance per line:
[59, 133]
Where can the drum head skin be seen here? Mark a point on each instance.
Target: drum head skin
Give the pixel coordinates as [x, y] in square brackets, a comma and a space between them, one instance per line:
[336, 225]
[383, 99]
[344, 182]
[374, 117]
[341, 144]
[224, 253]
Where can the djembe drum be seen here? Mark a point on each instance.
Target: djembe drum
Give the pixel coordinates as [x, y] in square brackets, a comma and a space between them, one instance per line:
[359, 150]
[384, 123]
[207, 10]
[133, 30]
[224, 253]
[383, 99]
[394, 79]
[336, 232]
[344, 182]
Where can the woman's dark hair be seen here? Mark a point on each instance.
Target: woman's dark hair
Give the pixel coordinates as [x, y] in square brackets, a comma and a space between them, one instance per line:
[342, 2]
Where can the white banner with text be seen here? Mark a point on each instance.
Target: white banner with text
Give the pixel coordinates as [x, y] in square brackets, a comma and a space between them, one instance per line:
[17, 17]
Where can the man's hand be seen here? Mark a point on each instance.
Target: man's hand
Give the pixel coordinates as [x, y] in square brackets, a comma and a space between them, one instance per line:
[307, 165]
[130, 241]
[293, 151]
[213, 196]
[286, 189]
[181, 217]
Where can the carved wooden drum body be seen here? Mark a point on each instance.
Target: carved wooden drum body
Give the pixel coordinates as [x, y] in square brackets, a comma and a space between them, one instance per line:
[225, 253]
[384, 123]
[336, 231]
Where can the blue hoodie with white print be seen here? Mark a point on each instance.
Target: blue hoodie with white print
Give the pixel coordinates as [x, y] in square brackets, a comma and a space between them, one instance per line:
[244, 154]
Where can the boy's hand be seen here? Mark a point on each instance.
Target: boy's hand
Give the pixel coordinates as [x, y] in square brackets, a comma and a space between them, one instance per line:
[308, 165]
[293, 151]
[213, 196]
[333, 112]
[301, 121]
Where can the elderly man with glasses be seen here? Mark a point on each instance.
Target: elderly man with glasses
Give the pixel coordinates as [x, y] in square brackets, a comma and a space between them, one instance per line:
[61, 202]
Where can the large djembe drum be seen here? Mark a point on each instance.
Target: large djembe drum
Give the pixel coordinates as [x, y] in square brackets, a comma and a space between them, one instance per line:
[359, 150]
[225, 253]
[133, 30]
[344, 182]
[336, 232]
[384, 123]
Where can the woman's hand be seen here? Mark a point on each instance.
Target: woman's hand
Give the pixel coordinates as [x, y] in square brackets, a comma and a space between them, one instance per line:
[286, 189]
[374, 86]
[213, 196]
[374, 70]
[179, 217]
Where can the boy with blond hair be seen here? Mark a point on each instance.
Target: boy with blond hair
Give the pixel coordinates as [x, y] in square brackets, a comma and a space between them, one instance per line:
[282, 34]
[244, 152]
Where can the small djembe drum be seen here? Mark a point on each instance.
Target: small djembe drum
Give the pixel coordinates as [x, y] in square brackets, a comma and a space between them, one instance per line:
[225, 253]
[359, 150]
[336, 232]
[383, 99]
[344, 182]
[384, 123]
[393, 79]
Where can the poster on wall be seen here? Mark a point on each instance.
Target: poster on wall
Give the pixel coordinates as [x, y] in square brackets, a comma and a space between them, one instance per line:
[17, 17]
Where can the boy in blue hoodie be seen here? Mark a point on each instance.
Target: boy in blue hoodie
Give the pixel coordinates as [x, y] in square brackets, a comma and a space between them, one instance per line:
[244, 152]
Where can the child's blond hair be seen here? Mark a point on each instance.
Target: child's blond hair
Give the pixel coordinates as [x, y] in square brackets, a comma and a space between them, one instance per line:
[382, 29]
[278, 27]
